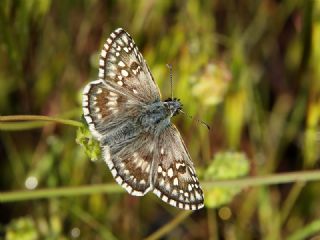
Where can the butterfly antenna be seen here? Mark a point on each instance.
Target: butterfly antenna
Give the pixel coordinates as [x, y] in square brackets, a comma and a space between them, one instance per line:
[196, 119]
[171, 81]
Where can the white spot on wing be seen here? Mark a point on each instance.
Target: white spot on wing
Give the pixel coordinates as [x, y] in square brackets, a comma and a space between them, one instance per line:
[174, 192]
[111, 74]
[142, 182]
[121, 64]
[112, 58]
[86, 111]
[99, 90]
[137, 193]
[124, 73]
[103, 53]
[125, 39]
[198, 196]
[106, 46]
[173, 202]
[181, 198]
[119, 180]
[161, 183]
[168, 187]
[114, 172]
[112, 103]
[157, 192]
[175, 181]
[88, 119]
[164, 198]
[192, 198]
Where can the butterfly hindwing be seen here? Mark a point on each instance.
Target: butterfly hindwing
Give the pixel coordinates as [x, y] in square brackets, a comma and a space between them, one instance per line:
[176, 182]
[131, 166]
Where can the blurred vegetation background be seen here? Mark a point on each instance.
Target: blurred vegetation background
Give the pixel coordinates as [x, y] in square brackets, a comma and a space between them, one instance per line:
[250, 69]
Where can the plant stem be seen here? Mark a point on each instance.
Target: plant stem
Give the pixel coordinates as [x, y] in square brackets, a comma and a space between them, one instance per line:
[23, 195]
[169, 226]
[306, 231]
[16, 118]
[290, 201]
[265, 180]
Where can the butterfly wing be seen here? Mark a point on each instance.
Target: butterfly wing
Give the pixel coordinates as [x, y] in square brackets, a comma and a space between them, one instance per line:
[111, 115]
[105, 105]
[125, 84]
[112, 104]
[131, 165]
[176, 182]
[122, 63]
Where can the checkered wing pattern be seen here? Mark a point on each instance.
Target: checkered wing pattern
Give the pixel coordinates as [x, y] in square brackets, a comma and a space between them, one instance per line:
[111, 105]
[104, 105]
[125, 82]
[131, 162]
[121, 62]
[176, 181]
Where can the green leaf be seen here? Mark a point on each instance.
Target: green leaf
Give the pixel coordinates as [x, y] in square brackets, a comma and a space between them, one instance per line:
[225, 165]
[90, 145]
[22, 229]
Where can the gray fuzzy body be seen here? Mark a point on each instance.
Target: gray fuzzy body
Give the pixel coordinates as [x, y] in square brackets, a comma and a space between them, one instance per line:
[152, 119]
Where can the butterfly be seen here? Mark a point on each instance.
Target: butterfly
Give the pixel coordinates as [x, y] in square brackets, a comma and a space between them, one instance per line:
[124, 112]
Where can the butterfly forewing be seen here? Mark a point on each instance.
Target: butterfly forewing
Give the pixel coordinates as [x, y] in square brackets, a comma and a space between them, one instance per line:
[176, 182]
[121, 62]
[104, 104]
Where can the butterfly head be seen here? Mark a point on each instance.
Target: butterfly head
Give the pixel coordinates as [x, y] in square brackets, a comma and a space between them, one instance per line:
[173, 105]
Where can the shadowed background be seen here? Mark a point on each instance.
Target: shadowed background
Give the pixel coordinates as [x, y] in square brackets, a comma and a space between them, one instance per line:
[247, 68]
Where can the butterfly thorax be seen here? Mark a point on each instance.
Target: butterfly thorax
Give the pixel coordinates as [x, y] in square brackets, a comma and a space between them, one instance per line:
[156, 116]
